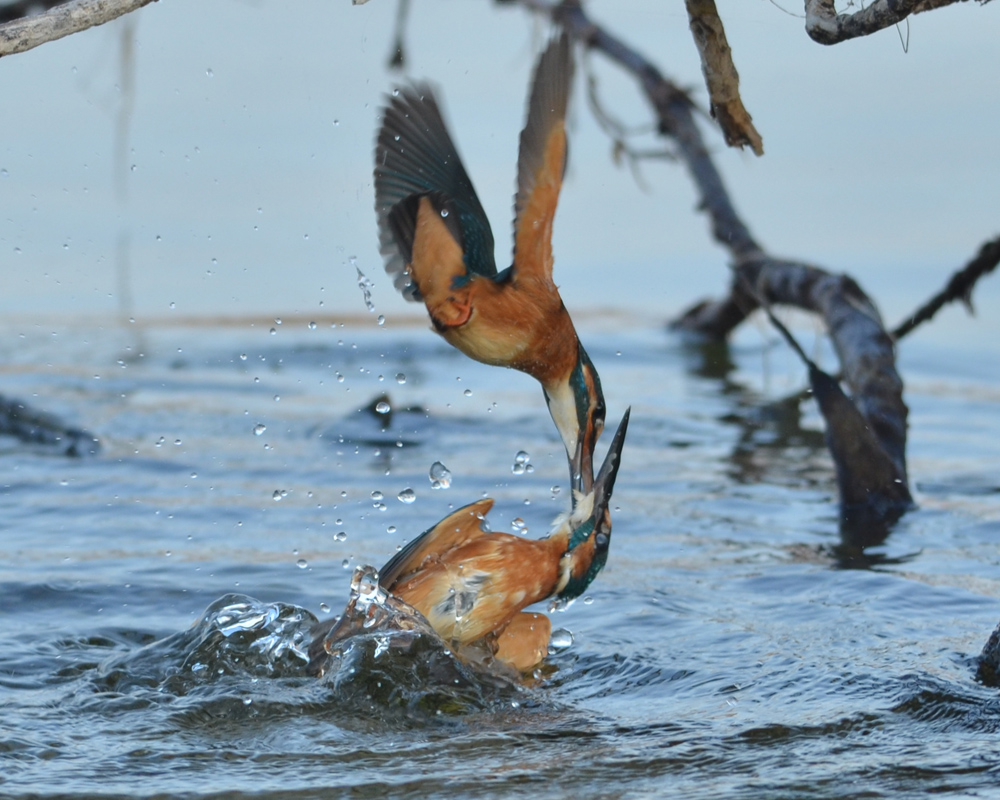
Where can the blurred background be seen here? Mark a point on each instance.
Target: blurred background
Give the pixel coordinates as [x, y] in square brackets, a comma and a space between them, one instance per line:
[215, 159]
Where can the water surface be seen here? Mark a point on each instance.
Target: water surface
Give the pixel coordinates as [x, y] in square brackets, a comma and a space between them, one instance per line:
[726, 649]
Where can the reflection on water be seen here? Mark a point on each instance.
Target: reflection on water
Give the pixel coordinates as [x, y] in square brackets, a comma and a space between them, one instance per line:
[157, 599]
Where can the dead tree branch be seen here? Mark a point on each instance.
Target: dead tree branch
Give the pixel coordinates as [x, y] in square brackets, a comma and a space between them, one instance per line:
[866, 434]
[959, 288]
[62, 20]
[826, 26]
[721, 78]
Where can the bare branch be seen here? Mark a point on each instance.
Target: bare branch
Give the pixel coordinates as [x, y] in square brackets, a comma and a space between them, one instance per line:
[71, 17]
[959, 287]
[826, 26]
[721, 77]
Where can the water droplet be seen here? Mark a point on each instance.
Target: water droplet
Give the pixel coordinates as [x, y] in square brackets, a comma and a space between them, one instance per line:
[381, 319]
[259, 428]
[560, 640]
[324, 608]
[340, 536]
[177, 442]
[520, 462]
[302, 563]
[383, 407]
[444, 212]
[467, 392]
[160, 441]
[279, 494]
[377, 496]
[400, 378]
[312, 326]
[518, 525]
[406, 496]
[340, 378]
[391, 529]
[273, 331]
[555, 491]
[346, 563]
[588, 600]
[440, 476]
[210, 73]
[173, 305]
[243, 356]
[3, 173]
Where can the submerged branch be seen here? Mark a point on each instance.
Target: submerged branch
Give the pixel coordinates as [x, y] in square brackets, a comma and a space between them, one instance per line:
[62, 20]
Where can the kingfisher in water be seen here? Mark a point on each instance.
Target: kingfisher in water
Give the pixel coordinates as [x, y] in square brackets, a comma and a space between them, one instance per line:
[438, 247]
[472, 585]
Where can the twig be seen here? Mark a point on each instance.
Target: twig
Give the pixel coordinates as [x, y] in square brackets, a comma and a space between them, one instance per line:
[398, 58]
[62, 20]
[721, 77]
[959, 288]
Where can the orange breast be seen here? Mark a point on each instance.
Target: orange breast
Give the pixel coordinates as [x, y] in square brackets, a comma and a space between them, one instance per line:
[520, 324]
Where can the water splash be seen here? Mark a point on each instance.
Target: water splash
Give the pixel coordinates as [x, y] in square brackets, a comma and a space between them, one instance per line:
[383, 650]
[364, 285]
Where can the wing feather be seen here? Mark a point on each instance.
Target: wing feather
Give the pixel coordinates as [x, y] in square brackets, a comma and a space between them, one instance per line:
[414, 155]
[541, 161]
[453, 531]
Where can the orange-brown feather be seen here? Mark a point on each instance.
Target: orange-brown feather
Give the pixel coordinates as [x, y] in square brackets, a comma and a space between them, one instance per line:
[525, 641]
[477, 588]
[436, 263]
[533, 234]
[520, 323]
[453, 531]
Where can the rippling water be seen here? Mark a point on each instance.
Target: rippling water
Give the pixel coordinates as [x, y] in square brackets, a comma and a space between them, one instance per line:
[153, 598]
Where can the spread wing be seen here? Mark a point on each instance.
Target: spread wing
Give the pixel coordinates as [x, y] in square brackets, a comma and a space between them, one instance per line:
[415, 158]
[541, 160]
[453, 531]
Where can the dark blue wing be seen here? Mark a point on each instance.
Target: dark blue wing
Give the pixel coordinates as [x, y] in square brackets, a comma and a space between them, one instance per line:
[414, 156]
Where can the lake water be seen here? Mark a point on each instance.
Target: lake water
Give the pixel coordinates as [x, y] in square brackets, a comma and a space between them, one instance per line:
[725, 650]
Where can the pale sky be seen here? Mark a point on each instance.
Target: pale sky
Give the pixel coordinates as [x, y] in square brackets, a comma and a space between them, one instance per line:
[248, 157]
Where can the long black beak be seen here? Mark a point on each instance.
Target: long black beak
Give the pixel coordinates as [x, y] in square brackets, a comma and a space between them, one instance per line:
[598, 525]
[586, 388]
[604, 483]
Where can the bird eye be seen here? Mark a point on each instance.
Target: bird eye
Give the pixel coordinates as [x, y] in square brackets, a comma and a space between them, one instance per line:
[601, 540]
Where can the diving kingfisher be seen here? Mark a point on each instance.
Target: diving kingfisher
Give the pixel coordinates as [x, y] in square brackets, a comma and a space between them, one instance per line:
[472, 585]
[438, 247]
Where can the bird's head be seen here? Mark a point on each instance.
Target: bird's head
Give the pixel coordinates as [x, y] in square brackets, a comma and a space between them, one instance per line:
[588, 525]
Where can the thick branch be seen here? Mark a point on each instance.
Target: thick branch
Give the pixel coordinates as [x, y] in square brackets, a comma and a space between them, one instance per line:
[826, 26]
[721, 77]
[959, 287]
[72, 17]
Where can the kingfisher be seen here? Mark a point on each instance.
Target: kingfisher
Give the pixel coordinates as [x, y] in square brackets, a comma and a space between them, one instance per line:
[472, 585]
[438, 247]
